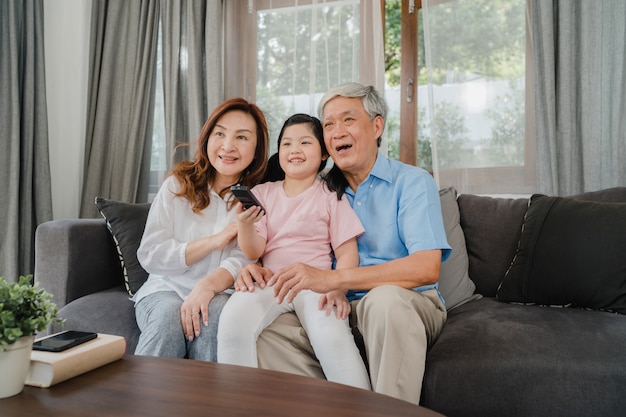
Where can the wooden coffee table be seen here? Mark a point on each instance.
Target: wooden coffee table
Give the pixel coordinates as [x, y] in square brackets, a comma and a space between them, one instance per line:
[146, 386]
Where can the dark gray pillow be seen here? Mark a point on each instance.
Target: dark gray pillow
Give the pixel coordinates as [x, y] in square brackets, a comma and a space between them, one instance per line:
[492, 228]
[571, 252]
[455, 285]
[126, 222]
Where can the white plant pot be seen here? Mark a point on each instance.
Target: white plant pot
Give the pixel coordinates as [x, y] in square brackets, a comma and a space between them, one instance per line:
[14, 364]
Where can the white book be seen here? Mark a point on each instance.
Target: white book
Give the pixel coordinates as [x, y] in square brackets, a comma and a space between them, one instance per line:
[50, 368]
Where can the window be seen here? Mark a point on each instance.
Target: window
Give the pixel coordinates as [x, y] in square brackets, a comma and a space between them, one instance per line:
[474, 96]
[456, 78]
[300, 50]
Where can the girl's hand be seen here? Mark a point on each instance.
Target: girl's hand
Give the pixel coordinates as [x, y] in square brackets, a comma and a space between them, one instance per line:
[249, 275]
[250, 215]
[338, 300]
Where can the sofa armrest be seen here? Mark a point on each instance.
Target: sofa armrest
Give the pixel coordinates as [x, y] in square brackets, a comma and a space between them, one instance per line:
[74, 258]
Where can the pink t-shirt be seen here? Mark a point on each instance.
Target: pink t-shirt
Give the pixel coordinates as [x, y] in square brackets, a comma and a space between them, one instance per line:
[304, 228]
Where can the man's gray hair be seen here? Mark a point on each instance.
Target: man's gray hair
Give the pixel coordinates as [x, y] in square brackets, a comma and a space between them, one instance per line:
[373, 102]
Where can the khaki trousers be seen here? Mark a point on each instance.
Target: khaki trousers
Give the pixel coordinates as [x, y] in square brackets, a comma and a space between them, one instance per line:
[398, 327]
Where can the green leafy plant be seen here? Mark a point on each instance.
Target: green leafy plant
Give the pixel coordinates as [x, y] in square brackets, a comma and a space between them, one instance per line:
[24, 310]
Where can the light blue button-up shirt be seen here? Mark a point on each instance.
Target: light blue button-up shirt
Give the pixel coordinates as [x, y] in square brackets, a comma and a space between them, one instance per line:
[399, 206]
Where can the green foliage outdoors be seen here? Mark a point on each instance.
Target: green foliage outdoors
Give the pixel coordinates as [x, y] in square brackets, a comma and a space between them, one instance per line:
[449, 122]
[24, 310]
[507, 134]
[393, 51]
[292, 43]
[484, 36]
[392, 42]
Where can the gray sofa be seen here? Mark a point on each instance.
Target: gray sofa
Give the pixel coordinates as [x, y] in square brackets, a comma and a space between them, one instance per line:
[503, 351]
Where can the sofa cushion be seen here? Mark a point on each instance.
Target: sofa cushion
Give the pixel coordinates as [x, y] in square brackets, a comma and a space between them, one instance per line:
[500, 359]
[492, 227]
[126, 222]
[108, 311]
[455, 285]
[571, 252]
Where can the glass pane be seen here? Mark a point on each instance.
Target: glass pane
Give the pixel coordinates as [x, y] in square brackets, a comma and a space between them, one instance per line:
[473, 91]
[393, 54]
[393, 51]
[302, 51]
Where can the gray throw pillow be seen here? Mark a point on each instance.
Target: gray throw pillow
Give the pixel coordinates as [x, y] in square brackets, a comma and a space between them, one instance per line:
[455, 285]
[571, 252]
[126, 222]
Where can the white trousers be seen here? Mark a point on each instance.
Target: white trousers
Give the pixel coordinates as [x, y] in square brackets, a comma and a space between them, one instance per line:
[246, 314]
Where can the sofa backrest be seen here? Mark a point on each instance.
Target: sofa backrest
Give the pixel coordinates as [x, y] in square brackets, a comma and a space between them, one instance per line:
[75, 257]
[492, 228]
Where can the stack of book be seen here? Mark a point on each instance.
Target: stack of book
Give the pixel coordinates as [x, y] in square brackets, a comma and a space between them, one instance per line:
[50, 368]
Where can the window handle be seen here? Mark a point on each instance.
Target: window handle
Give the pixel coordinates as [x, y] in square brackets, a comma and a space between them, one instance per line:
[409, 90]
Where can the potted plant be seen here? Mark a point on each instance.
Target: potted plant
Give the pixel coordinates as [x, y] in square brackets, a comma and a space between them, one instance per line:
[24, 310]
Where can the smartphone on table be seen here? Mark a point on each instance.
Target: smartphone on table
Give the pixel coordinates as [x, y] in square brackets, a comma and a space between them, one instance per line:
[62, 341]
[243, 194]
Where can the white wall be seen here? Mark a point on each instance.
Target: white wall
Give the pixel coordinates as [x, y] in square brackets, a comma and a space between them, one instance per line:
[66, 42]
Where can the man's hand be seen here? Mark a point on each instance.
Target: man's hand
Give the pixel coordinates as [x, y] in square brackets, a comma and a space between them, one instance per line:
[249, 275]
[289, 281]
[335, 299]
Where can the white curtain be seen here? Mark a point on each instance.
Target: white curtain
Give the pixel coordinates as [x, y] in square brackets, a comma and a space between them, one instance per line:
[372, 62]
[304, 48]
[473, 108]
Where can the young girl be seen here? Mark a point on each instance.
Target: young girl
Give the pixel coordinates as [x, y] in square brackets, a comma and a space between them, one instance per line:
[305, 222]
[188, 246]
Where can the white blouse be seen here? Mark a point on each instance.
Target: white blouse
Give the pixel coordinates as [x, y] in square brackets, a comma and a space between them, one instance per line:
[170, 226]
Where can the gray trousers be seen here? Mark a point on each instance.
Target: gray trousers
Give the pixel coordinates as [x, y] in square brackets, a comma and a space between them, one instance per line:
[158, 318]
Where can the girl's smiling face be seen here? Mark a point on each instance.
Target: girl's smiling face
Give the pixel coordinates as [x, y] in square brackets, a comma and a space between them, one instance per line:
[300, 152]
[231, 146]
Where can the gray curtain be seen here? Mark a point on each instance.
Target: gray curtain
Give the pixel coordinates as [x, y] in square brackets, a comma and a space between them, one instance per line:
[24, 164]
[122, 87]
[192, 69]
[580, 102]
[124, 37]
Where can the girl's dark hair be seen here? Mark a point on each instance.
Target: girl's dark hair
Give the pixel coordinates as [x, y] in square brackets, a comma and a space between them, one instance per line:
[274, 171]
[336, 181]
[195, 176]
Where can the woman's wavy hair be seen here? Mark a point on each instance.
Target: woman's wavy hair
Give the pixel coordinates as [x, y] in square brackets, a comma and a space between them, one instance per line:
[196, 176]
[374, 105]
